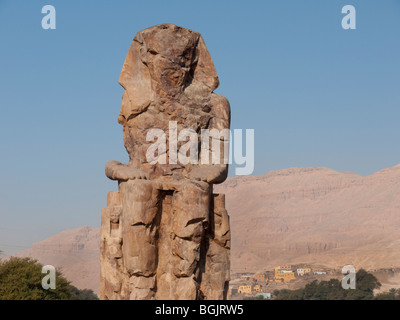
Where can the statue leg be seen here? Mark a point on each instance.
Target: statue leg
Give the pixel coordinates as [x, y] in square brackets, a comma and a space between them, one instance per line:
[111, 270]
[140, 202]
[191, 207]
[215, 279]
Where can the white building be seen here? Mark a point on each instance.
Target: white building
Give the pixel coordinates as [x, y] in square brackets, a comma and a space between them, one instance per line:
[285, 271]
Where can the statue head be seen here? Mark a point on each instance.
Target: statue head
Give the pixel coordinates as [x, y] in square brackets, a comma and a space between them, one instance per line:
[163, 61]
[169, 53]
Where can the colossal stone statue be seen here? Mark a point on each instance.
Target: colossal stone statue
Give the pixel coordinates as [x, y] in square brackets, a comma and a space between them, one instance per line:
[165, 234]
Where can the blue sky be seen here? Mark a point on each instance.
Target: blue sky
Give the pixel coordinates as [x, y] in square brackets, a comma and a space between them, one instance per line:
[316, 95]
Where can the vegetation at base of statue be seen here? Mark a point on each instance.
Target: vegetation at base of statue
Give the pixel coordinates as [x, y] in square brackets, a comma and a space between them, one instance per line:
[21, 279]
[332, 290]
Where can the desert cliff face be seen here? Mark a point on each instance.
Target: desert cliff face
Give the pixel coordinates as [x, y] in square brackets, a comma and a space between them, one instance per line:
[297, 215]
[314, 215]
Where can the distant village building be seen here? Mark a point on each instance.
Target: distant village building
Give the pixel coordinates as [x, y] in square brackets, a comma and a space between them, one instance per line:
[269, 276]
[249, 289]
[319, 272]
[232, 291]
[265, 295]
[284, 275]
[300, 272]
[244, 289]
[285, 268]
[303, 271]
[257, 288]
[260, 278]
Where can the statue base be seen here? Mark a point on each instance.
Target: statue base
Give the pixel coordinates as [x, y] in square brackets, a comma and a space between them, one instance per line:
[164, 240]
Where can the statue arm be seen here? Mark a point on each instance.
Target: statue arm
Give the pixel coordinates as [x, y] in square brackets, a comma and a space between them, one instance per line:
[118, 171]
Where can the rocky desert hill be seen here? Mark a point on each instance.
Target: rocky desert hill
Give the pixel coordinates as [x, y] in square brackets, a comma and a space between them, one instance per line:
[74, 252]
[316, 216]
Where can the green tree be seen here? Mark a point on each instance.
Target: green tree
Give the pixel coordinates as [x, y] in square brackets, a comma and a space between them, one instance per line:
[21, 279]
[275, 292]
[310, 289]
[385, 296]
[366, 283]
[85, 294]
[282, 294]
[296, 295]
[393, 294]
